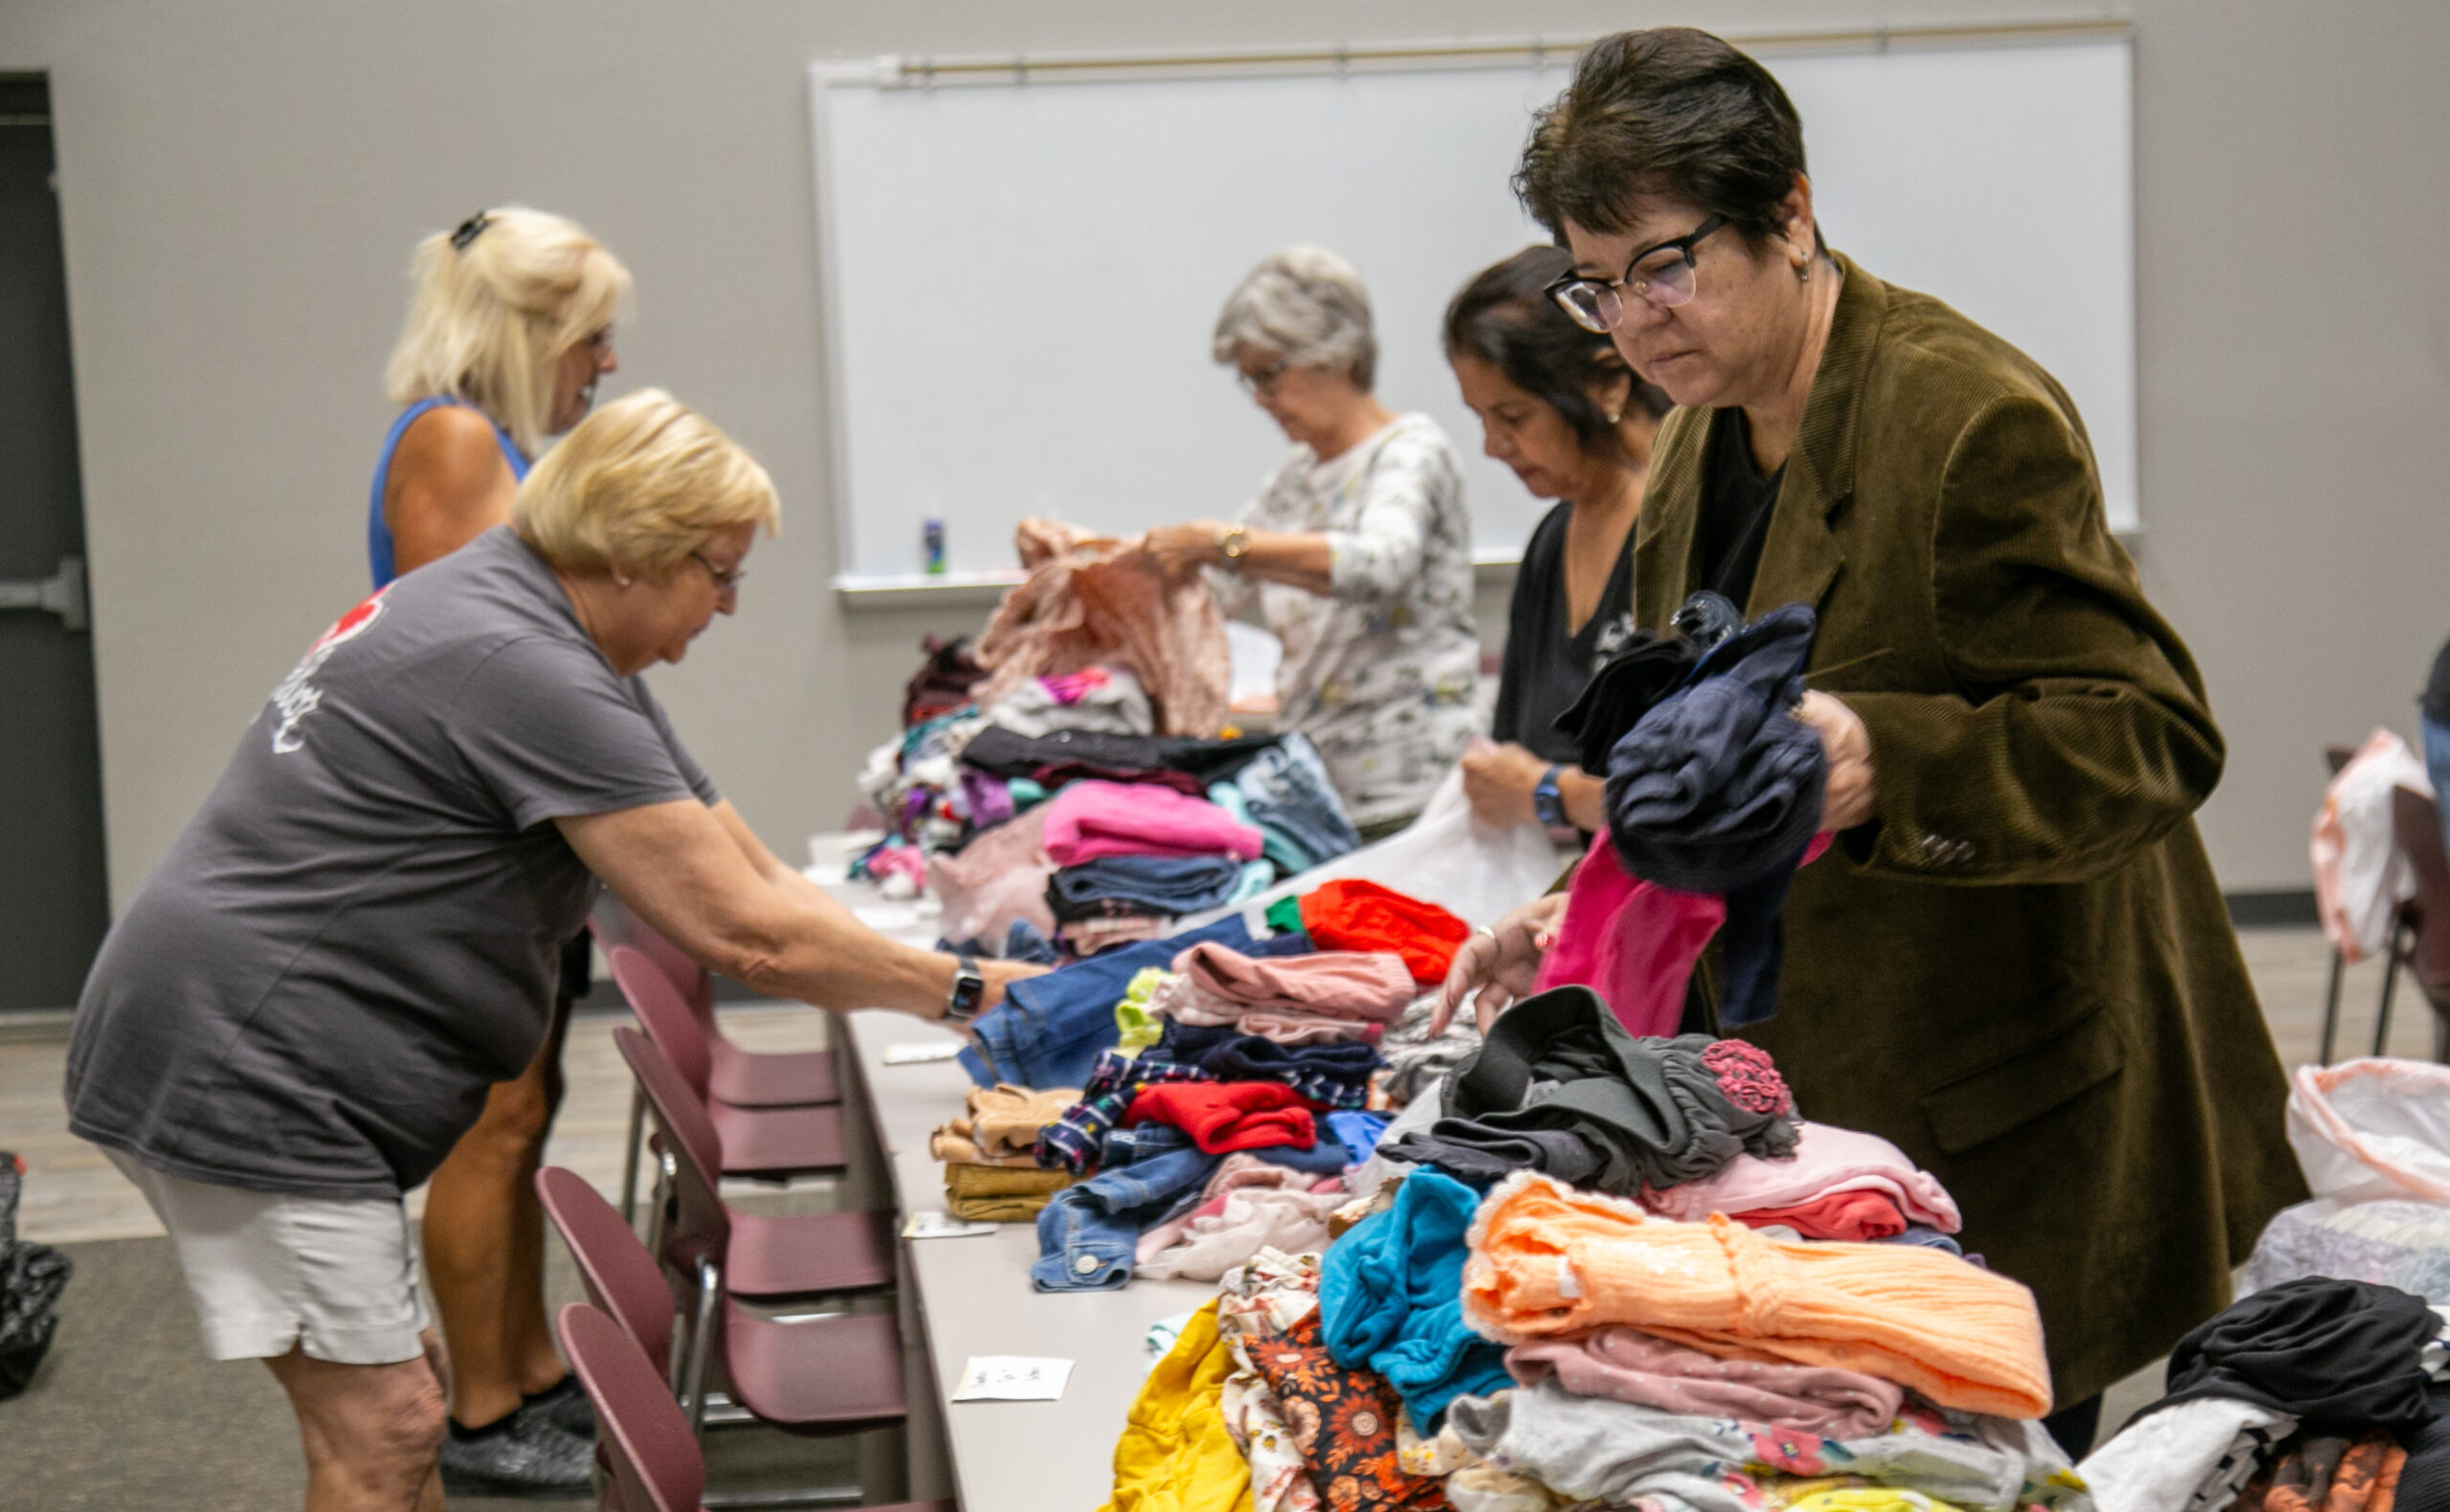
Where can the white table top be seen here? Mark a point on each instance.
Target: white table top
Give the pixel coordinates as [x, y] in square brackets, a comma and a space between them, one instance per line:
[973, 1298]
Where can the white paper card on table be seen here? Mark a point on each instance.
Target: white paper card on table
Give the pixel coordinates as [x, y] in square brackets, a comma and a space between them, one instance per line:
[920, 1053]
[1013, 1378]
[886, 918]
[938, 1224]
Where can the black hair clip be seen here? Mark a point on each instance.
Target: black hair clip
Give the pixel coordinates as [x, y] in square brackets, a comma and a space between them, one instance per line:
[469, 230]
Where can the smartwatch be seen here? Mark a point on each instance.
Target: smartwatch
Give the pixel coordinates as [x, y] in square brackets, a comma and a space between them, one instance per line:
[969, 991]
[1234, 541]
[1548, 802]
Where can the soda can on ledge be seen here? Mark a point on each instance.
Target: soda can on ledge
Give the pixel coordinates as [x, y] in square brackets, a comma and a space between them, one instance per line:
[931, 540]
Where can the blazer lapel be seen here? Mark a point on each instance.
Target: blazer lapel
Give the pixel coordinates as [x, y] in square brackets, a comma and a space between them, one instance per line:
[1801, 557]
[1671, 510]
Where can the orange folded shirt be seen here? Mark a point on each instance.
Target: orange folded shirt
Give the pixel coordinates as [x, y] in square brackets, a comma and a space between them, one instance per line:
[1352, 913]
[1548, 1259]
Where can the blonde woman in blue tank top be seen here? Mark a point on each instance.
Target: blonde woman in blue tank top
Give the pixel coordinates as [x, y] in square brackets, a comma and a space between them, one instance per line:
[507, 335]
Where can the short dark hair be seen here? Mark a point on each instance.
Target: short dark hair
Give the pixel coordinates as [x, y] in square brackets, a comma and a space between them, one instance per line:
[1505, 318]
[1668, 113]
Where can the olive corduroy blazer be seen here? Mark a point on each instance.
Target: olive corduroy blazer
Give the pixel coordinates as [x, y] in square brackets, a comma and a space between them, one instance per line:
[2023, 971]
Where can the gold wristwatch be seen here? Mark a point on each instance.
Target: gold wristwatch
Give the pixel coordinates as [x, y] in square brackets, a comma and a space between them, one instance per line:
[1231, 542]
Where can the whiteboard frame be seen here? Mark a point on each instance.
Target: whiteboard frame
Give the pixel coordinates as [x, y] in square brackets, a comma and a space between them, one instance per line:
[894, 71]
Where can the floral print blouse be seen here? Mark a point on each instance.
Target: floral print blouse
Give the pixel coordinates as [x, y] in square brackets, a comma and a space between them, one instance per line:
[1381, 672]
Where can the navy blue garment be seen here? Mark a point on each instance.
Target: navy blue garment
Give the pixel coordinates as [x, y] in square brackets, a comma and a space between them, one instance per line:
[1335, 1075]
[1718, 789]
[1049, 1029]
[1087, 1234]
[1325, 1158]
[1140, 886]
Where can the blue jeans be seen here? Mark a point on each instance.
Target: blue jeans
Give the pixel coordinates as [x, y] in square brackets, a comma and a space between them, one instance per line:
[1087, 1234]
[1296, 807]
[1049, 1029]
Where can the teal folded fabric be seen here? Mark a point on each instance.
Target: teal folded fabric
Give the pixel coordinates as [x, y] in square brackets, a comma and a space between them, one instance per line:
[1391, 1299]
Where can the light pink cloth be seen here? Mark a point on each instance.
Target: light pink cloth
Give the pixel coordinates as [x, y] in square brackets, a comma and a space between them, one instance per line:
[1223, 1233]
[1374, 985]
[1186, 1002]
[1236, 1170]
[999, 876]
[1092, 600]
[1826, 1160]
[1624, 1365]
[1635, 943]
[1089, 819]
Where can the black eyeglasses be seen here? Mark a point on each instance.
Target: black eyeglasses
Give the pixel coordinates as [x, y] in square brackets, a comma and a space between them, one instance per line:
[725, 583]
[1662, 273]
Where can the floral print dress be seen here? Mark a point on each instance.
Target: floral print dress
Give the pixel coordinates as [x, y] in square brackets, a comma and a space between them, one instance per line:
[1381, 672]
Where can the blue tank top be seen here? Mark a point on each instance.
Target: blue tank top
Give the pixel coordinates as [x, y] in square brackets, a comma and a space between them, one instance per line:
[378, 532]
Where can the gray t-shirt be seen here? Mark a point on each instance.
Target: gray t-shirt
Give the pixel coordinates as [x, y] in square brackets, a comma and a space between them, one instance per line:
[358, 932]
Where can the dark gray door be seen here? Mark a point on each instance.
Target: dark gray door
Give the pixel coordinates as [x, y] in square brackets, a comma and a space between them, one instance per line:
[53, 905]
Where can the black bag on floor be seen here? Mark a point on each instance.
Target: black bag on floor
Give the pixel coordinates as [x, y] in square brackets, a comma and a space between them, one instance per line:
[31, 1279]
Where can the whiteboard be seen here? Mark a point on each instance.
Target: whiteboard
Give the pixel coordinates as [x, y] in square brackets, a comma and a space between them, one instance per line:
[1021, 277]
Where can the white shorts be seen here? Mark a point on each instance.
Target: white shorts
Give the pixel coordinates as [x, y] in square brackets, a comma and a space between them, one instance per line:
[335, 1276]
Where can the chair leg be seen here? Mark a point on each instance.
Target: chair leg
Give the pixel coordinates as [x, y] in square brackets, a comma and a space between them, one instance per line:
[2391, 962]
[701, 1338]
[637, 1130]
[2330, 1007]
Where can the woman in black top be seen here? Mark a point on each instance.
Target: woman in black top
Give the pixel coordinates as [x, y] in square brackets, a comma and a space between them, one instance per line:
[1559, 406]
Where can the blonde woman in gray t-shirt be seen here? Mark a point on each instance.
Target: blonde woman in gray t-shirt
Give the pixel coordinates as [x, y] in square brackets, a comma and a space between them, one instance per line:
[1357, 551]
[301, 1009]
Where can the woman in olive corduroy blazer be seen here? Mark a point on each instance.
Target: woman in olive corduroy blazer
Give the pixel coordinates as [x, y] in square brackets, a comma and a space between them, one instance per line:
[2016, 965]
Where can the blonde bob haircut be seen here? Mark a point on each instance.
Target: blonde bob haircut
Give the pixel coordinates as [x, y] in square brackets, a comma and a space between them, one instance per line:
[637, 486]
[496, 308]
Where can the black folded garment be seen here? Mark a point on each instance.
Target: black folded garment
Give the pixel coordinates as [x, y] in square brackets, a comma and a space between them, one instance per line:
[999, 751]
[1640, 1111]
[2344, 1356]
[1646, 669]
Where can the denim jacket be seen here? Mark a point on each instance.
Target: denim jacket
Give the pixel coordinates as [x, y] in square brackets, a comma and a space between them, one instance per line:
[1087, 1234]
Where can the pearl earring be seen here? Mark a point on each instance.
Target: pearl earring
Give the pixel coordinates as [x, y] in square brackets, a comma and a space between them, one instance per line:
[1617, 417]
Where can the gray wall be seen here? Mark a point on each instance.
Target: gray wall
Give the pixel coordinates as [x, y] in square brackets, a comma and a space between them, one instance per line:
[241, 184]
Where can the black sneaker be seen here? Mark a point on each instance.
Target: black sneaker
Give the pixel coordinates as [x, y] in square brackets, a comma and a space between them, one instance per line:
[522, 1456]
[564, 1405]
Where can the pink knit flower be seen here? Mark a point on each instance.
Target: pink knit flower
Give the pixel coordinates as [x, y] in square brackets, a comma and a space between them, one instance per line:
[1748, 1077]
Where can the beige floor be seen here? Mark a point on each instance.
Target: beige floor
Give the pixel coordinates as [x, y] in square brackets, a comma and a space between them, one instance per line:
[71, 1193]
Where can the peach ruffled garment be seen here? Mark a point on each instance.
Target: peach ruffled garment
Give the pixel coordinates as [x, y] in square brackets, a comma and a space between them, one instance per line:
[1547, 1260]
[1093, 600]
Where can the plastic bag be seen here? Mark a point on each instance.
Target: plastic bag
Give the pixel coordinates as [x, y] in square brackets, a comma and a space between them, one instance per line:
[1475, 871]
[2360, 878]
[2372, 1138]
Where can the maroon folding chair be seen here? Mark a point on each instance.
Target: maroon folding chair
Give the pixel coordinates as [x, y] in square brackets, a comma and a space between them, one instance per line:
[717, 1250]
[656, 1464]
[740, 1078]
[768, 1143]
[2420, 933]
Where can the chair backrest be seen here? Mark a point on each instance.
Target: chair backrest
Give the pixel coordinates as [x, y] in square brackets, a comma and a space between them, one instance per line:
[621, 1277]
[614, 922]
[679, 1033]
[701, 1225]
[656, 1461]
[2415, 824]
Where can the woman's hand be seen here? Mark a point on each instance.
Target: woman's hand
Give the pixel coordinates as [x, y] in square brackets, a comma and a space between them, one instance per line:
[1498, 779]
[1181, 549]
[1501, 962]
[1850, 798]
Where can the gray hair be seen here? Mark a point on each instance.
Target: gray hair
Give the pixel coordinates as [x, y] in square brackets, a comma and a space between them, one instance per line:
[1308, 306]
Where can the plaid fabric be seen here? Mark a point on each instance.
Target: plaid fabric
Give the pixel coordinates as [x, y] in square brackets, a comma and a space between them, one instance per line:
[1077, 1140]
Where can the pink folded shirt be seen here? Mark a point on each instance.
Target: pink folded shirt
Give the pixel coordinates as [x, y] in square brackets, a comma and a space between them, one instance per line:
[1625, 1365]
[1331, 984]
[1826, 1160]
[1089, 819]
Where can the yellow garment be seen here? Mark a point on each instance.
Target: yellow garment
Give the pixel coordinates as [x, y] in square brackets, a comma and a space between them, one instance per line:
[1870, 1499]
[1141, 1028]
[1175, 1454]
[998, 1193]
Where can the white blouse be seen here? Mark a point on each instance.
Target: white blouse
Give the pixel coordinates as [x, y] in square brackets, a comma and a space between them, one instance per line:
[1380, 672]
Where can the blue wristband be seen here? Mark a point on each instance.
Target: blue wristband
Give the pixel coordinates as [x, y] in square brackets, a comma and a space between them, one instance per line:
[1548, 801]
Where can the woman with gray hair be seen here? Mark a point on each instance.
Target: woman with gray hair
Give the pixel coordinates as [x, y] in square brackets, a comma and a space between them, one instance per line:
[1357, 550]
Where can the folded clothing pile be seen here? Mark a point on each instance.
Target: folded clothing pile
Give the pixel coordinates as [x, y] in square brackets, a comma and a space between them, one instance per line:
[991, 1174]
[2317, 1394]
[1324, 994]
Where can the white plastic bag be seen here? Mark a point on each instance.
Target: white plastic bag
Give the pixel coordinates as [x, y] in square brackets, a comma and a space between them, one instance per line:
[1477, 872]
[2365, 1130]
[2360, 878]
